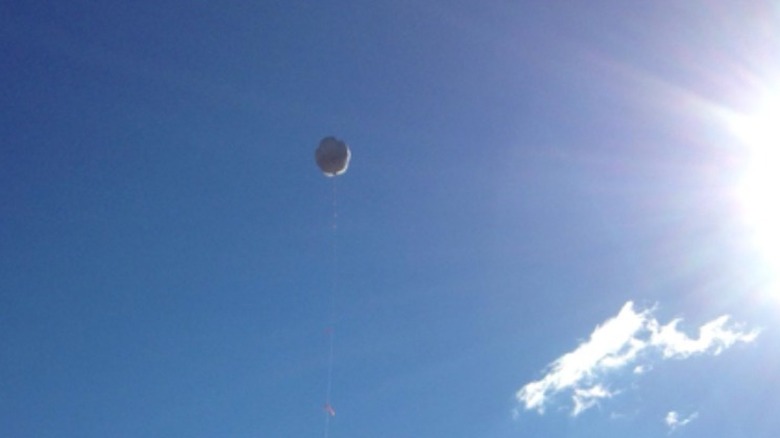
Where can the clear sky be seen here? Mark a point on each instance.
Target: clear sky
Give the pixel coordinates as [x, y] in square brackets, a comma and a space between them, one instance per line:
[560, 219]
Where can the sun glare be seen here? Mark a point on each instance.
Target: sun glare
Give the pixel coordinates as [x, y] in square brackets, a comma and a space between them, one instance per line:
[759, 188]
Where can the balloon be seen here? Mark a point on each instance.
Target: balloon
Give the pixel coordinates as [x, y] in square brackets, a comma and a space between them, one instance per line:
[332, 156]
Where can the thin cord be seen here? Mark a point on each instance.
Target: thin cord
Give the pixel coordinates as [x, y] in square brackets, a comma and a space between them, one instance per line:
[332, 311]
[328, 407]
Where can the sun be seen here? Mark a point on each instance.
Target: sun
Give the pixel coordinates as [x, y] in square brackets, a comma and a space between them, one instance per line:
[758, 191]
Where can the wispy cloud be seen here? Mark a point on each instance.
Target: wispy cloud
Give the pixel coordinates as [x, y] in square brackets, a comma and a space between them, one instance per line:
[624, 340]
[586, 398]
[673, 421]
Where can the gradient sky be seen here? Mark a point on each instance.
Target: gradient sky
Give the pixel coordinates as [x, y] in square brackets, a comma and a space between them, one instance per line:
[538, 191]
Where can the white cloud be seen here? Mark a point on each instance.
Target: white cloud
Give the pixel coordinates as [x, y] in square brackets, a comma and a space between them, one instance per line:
[714, 337]
[674, 422]
[623, 340]
[587, 398]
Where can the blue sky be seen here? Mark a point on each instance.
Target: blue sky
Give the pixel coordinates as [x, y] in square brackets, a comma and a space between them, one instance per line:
[558, 220]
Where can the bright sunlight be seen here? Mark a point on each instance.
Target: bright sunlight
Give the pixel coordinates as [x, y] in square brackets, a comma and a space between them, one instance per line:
[759, 189]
